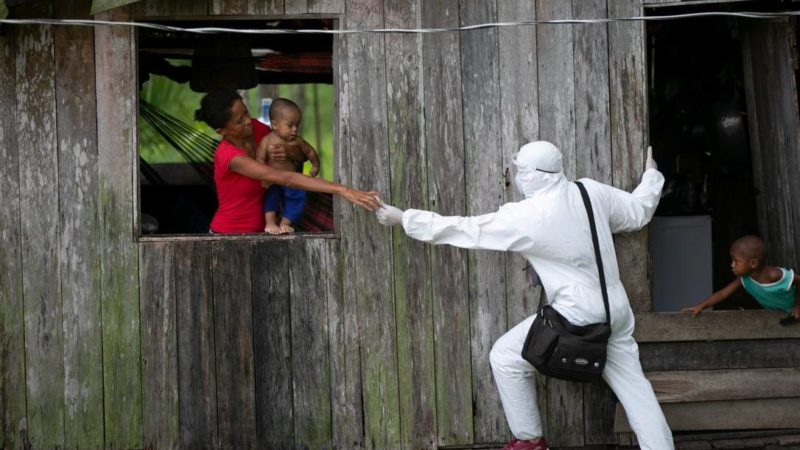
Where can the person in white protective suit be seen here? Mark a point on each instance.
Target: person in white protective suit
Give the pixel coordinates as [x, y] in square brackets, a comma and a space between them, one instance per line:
[550, 229]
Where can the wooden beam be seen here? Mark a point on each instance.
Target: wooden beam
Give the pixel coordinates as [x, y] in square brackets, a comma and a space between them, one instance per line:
[39, 225]
[712, 326]
[197, 382]
[485, 186]
[115, 72]
[13, 427]
[750, 414]
[752, 354]
[79, 254]
[159, 345]
[714, 385]
[273, 344]
[412, 282]
[444, 142]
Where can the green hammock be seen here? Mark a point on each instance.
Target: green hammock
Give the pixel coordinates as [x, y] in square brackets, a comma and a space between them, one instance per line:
[196, 147]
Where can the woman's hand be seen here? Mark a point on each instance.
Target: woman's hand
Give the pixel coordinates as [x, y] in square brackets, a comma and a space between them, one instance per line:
[366, 200]
[277, 153]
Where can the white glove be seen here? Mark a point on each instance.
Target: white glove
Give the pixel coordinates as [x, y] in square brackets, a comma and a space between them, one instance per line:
[650, 163]
[389, 215]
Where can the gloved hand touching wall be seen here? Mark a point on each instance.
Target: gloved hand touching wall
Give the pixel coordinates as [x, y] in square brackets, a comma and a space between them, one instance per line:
[389, 215]
[650, 163]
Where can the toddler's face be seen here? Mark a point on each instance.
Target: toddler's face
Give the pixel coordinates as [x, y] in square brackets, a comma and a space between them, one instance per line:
[740, 264]
[286, 124]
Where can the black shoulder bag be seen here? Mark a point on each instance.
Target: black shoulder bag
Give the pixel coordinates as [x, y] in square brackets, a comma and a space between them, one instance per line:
[559, 349]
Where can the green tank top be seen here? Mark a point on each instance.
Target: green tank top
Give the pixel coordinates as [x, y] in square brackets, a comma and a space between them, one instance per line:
[777, 295]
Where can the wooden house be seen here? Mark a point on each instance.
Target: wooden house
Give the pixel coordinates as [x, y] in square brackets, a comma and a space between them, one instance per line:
[362, 338]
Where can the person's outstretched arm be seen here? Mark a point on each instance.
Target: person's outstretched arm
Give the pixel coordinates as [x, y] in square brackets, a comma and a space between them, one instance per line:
[495, 231]
[715, 298]
[250, 168]
[631, 211]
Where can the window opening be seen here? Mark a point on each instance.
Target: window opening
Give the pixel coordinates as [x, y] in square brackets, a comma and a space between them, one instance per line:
[176, 180]
[699, 130]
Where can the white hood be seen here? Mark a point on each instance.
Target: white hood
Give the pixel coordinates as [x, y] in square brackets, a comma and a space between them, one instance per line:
[538, 167]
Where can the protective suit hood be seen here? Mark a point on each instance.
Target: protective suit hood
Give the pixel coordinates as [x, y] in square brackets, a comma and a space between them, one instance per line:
[539, 167]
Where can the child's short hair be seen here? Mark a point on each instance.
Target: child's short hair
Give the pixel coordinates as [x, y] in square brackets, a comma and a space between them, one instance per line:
[279, 105]
[751, 247]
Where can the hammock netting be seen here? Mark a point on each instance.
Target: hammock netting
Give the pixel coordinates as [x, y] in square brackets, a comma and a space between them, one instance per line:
[197, 148]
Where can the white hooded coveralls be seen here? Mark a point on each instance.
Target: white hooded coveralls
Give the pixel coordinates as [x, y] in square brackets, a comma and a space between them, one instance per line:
[550, 229]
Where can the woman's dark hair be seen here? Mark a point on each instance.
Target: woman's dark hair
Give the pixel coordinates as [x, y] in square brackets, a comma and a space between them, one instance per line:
[215, 107]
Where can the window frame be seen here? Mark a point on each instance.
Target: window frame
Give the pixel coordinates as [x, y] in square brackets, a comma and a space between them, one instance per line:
[254, 237]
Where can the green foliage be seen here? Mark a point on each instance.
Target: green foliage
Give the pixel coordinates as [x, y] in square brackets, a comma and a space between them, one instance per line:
[3, 10]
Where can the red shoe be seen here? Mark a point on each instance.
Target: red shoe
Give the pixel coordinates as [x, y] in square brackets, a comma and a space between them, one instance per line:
[535, 444]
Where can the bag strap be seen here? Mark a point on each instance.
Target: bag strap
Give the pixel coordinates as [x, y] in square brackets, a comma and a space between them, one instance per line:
[587, 202]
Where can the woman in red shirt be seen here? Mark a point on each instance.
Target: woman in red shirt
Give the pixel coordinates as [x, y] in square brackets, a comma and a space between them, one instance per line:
[238, 175]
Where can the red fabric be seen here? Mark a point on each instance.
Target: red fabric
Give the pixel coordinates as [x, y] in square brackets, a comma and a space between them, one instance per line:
[240, 198]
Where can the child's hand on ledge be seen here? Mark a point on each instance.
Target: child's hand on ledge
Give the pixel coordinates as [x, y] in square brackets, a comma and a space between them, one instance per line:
[695, 310]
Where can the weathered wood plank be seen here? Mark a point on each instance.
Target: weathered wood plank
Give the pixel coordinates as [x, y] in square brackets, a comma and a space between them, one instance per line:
[326, 6]
[519, 121]
[592, 123]
[772, 97]
[485, 186]
[753, 414]
[372, 243]
[627, 108]
[347, 403]
[13, 425]
[170, 8]
[197, 385]
[412, 286]
[712, 326]
[555, 54]
[593, 160]
[296, 6]
[238, 7]
[309, 265]
[769, 353]
[714, 385]
[233, 339]
[159, 345]
[272, 321]
[79, 254]
[441, 85]
[598, 414]
[116, 141]
[38, 175]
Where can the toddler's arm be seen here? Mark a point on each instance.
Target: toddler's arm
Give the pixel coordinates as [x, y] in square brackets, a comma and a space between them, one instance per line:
[715, 298]
[310, 155]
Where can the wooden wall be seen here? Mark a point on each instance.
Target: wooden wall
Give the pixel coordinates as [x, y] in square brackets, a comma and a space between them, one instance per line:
[363, 340]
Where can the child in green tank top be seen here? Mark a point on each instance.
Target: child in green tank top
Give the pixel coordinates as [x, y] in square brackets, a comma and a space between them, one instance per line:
[772, 287]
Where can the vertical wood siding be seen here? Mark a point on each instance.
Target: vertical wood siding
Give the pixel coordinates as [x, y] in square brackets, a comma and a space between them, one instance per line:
[411, 264]
[370, 340]
[159, 345]
[39, 217]
[13, 417]
[116, 108]
[79, 251]
[366, 83]
[444, 141]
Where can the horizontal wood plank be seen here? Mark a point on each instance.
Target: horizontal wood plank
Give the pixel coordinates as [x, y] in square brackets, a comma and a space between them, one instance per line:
[715, 385]
[718, 355]
[761, 414]
[712, 326]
